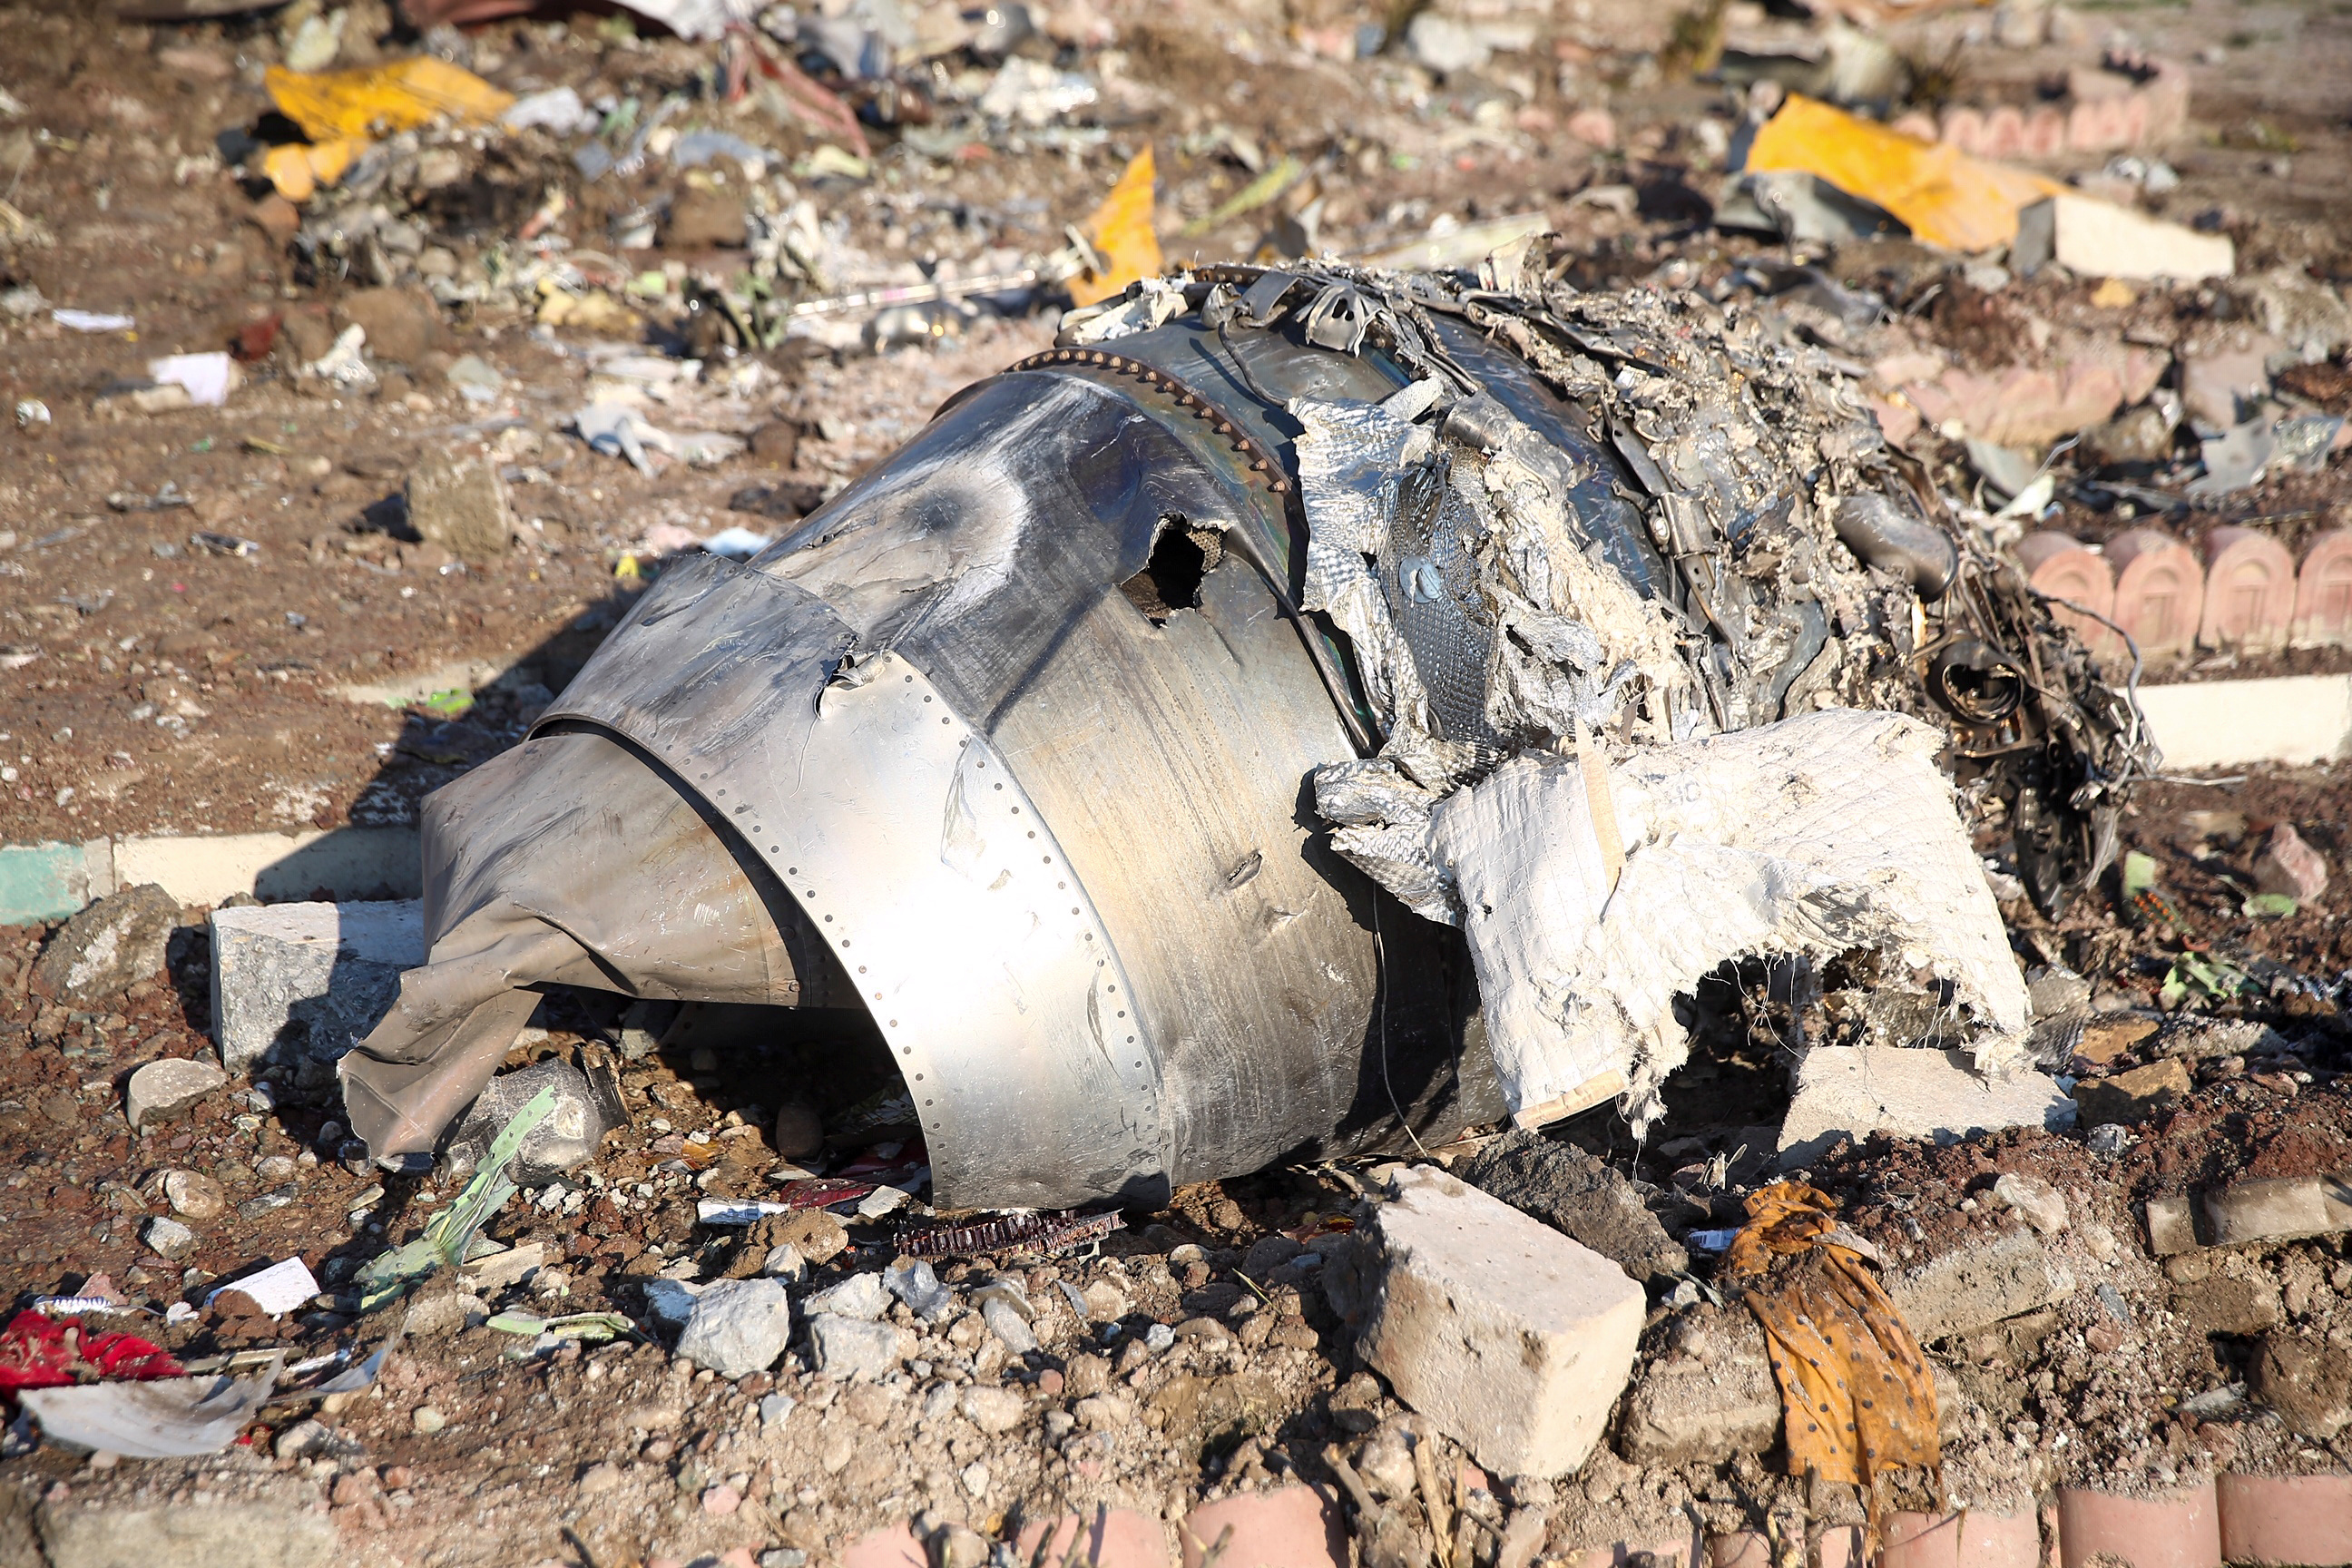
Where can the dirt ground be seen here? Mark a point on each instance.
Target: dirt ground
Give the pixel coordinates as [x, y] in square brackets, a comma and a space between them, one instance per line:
[219, 620]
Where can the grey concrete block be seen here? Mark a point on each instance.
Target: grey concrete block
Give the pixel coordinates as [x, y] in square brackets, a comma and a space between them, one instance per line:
[277, 1531]
[1513, 1339]
[1979, 1283]
[1850, 1091]
[308, 979]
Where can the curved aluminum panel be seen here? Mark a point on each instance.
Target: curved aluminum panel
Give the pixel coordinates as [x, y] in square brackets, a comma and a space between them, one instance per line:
[923, 864]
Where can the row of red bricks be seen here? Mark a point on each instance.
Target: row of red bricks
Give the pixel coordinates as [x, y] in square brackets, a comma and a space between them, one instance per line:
[2239, 588]
[2107, 116]
[2234, 1520]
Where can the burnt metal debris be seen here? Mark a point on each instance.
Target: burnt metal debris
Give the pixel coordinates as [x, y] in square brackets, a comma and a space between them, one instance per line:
[1031, 743]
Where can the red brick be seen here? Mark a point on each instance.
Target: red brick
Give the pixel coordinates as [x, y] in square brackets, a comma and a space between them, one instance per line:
[1674, 1552]
[1289, 1528]
[2177, 1530]
[1973, 1537]
[2323, 593]
[895, 1547]
[1112, 1538]
[2045, 133]
[2159, 590]
[1964, 128]
[1841, 1547]
[2305, 1520]
[2249, 591]
[2061, 566]
[1743, 1549]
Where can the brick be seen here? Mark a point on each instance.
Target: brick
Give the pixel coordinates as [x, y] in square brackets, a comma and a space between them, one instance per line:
[309, 978]
[1740, 1548]
[2278, 1519]
[1107, 1538]
[2179, 1530]
[2249, 591]
[2064, 567]
[2094, 238]
[1513, 1339]
[1979, 1283]
[2288, 865]
[1686, 1550]
[1290, 1527]
[1849, 1091]
[2323, 592]
[2279, 1209]
[1973, 1537]
[896, 1547]
[2159, 590]
[1709, 1396]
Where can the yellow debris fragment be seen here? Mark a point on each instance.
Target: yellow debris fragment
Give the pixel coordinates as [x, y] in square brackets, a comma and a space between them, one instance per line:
[1121, 233]
[342, 112]
[1947, 197]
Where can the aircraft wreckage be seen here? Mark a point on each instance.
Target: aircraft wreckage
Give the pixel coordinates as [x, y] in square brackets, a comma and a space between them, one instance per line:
[1299, 708]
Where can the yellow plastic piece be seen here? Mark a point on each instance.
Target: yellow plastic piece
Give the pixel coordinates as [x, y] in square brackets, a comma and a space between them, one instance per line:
[297, 171]
[1121, 233]
[377, 99]
[1947, 197]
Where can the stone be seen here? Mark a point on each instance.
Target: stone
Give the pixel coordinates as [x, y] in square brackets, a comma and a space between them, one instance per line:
[2110, 1034]
[1445, 46]
[778, 445]
[1576, 1195]
[1979, 1283]
[1513, 1339]
[852, 1347]
[2132, 1097]
[2290, 866]
[992, 1410]
[2138, 437]
[2093, 238]
[108, 948]
[913, 1282]
[2228, 1303]
[2041, 1206]
[816, 1235]
[798, 1132]
[2056, 992]
[2306, 1380]
[308, 981]
[167, 1238]
[1008, 1325]
[499, 1272]
[739, 1327]
[2219, 380]
[276, 1530]
[444, 1312]
[166, 1087]
[459, 503]
[700, 219]
[1850, 1091]
[2305, 314]
[864, 1296]
[565, 1141]
[783, 1262]
[194, 1195]
[671, 1302]
[402, 324]
[1707, 1398]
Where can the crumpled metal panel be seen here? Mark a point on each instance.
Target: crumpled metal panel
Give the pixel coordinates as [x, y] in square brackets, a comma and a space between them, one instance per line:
[930, 875]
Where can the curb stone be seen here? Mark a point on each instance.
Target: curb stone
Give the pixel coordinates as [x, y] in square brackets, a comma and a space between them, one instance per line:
[1969, 1539]
[2279, 1520]
[1291, 1527]
[2177, 1530]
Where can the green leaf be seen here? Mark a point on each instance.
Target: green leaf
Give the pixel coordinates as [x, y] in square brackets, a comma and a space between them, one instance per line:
[2140, 873]
[2271, 905]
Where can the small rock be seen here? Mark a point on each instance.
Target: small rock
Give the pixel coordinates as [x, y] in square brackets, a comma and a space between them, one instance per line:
[1008, 1325]
[774, 1409]
[737, 1327]
[913, 1282]
[1847, 1092]
[852, 1347]
[859, 1296]
[1446, 46]
[165, 1087]
[2287, 865]
[427, 1419]
[700, 219]
[599, 1478]
[1576, 1195]
[2134, 1096]
[564, 1142]
[1085, 1376]
[721, 1500]
[778, 445]
[671, 1302]
[458, 503]
[402, 324]
[992, 1410]
[1104, 1411]
[2135, 438]
[975, 1478]
[446, 1313]
[108, 948]
[167, 1238]
[813, 1232]
[1268, 1252]
[194, 1195]
[2057, 991]
[2042, 1205]
[783, 1262]
[2306, 1380]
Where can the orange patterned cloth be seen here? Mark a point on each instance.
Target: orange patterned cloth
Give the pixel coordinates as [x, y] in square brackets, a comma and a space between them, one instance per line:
[1856, 1396]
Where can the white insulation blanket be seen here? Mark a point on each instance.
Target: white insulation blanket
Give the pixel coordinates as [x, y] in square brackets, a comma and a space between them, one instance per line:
[1814, 835]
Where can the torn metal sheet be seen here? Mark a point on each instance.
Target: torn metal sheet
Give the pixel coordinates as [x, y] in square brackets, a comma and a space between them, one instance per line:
[1814, 835]
[167, 1418]
[1094, 743]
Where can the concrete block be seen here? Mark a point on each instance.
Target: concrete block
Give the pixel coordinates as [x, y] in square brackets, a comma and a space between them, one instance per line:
[2134, 1096]
[1515, 1340]
[309, 977]
[458, 503]
[2292, 718]
[1849, 1091]
[50, 881]
[279, 1530]
[2094, 238]
[1978, 1284]
[1709, 1397]
[351, 863]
